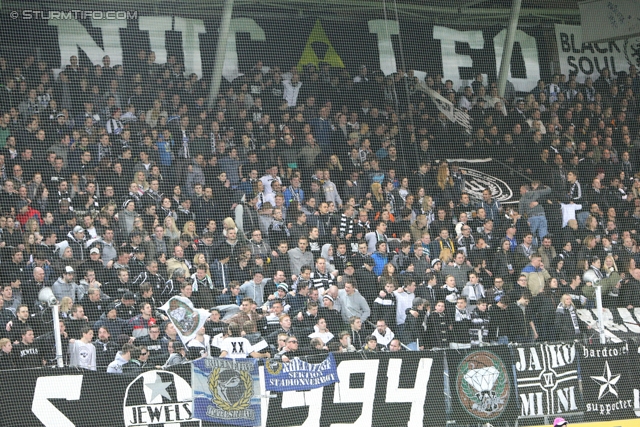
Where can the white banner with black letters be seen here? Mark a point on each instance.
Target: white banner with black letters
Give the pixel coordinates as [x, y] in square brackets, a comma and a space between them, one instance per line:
[588, 59]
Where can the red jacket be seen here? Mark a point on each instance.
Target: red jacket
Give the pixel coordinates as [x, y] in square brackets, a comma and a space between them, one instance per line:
[31, 213]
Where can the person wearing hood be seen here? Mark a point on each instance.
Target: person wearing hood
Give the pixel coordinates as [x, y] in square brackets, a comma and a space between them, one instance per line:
[126, 217]
[254, 288]
[75, 240]
[328, 253]
[122, 358]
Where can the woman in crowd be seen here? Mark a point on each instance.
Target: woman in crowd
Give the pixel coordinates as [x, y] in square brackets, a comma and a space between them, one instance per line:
[503, 261]
[189, 230]
[166, 209]
[171, 230]
[445, 189]
[568, 326]
[7, 360]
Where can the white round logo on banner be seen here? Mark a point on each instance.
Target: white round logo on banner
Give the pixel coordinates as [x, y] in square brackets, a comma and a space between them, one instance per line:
[159, 398]
[476, 182]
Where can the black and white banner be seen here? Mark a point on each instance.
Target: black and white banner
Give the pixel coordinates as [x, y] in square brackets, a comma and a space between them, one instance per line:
[495, 384]
[547, 378]
[619, 324]
[608, 382]
[455, 115]
[375, 390]
[400, 389]
[429, 49]
[588, 59]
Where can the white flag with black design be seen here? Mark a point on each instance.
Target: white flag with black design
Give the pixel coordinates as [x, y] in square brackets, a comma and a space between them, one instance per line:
[185, 317]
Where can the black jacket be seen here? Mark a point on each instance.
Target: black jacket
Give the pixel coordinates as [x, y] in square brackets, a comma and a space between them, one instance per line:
[413, 330]
[564, 324]
[437, 331]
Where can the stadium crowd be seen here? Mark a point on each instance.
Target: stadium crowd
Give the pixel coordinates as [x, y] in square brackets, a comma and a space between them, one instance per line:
[308, 211]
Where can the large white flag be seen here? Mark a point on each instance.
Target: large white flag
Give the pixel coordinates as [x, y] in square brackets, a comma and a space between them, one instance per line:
[445, 106]
[185, 317]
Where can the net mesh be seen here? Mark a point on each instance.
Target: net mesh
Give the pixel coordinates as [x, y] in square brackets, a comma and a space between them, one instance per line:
[348, 177]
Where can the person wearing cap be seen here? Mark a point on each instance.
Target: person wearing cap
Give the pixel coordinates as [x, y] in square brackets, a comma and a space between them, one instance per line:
[558, 422]
[329, 313]
[127, 306]
[76, 241]
[66, 286]
[348, 274]
[95, 264]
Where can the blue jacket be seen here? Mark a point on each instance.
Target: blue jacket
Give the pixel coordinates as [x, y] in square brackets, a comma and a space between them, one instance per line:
[380, 261]
[289, 196]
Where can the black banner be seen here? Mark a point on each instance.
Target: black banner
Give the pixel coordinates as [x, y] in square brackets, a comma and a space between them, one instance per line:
[495, 385]
[49, 397]
[456, 54]
[380, 389]
[547, 379]
[482, 386]
[608, 381]
[400, 389]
